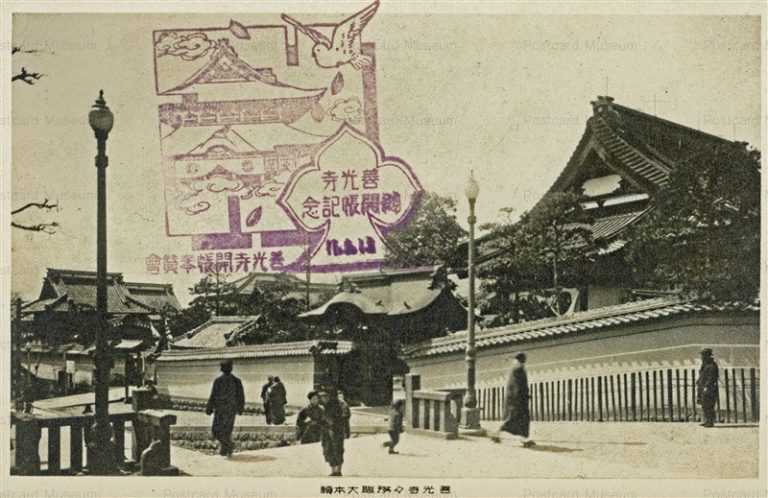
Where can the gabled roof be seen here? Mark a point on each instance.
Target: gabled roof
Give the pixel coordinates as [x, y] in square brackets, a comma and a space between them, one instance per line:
[639, 146]
[218, 332]
[586, 321]
[64, 289]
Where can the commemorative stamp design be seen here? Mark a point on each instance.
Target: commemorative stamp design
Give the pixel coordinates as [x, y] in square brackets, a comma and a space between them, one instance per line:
[270, 141]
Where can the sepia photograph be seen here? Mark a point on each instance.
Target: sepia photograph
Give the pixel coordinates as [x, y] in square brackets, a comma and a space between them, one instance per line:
[380, 248]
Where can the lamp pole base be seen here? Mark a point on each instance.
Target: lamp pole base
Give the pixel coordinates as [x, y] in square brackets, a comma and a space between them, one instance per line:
[470, 422]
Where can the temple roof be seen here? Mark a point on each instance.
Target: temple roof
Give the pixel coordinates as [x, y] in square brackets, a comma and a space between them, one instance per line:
[217, 332]
[386, 292]
[586, 321]
[640, 148]
[65, 289]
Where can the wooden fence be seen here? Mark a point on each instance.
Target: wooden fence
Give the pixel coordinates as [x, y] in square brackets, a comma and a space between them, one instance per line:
[667, 395]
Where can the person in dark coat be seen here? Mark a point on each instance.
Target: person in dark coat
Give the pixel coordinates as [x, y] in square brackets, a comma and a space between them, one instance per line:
[265, 398]
[706, 392]
[517, 418]
[395, 425]
[227, 400]
[335, 430]
[309, 422]
[277, 400]
[346, 413]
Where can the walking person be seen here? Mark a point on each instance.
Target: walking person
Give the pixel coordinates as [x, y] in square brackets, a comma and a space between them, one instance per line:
[395, 425]
[334, 430]
[309, 422]
[265, 399]
[227, 400]
[517, 419]
[706, 387]
[278, 398]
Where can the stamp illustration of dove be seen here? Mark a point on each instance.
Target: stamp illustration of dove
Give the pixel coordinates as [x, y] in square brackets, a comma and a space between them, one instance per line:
[344, 45]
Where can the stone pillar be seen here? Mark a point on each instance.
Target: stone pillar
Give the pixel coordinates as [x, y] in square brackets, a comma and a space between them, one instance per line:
[27, 446]
[412, 384]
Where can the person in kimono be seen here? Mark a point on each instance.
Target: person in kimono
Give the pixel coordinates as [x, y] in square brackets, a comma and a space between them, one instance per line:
[227, 400]
[334, 431]
[265, 398]
[517, 419]
[310, 420]
[396, 413]
[277, 399]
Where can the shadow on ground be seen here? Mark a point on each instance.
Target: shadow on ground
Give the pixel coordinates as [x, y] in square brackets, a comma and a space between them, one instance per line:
[553, 449]
[239, 457]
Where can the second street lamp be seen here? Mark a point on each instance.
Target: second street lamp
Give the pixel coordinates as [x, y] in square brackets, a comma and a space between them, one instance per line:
[101, 454]
[470, 413]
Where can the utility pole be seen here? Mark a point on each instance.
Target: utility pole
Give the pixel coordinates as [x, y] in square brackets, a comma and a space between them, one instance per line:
[18, 399]
[309, 266]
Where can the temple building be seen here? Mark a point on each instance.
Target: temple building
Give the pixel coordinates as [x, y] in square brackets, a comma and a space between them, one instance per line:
[381, 311]
[613, 331]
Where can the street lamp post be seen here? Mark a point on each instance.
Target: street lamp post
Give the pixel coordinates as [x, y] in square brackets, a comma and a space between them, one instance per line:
[101, 457]
[471, 413]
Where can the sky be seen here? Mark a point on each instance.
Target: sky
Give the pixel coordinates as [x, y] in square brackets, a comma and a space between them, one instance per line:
[506, 96]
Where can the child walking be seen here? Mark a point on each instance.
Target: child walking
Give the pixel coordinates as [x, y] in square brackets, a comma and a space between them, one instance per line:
[395, 425]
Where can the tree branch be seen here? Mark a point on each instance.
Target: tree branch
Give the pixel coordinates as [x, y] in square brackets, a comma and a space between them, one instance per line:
[38, 205]
[26, 77]
[49, 228]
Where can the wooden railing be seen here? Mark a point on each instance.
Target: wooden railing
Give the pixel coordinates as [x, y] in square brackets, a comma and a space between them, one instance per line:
[667, 395]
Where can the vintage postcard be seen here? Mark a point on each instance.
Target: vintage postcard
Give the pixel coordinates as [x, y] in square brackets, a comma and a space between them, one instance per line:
[383, 249]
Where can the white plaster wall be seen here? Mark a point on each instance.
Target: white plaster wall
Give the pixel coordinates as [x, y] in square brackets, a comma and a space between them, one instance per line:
[672, 343]
[193, 378]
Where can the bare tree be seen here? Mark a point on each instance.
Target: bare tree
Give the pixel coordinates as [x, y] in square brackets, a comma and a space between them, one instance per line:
[46, 227]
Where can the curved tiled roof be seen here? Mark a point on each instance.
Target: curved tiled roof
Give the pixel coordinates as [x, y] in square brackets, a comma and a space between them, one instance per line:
[547, 328]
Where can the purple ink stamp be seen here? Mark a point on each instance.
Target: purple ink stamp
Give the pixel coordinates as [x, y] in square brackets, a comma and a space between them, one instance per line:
[269, 140]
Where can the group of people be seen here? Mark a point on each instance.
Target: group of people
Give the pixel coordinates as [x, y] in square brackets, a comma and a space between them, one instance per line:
[274, 397]
[517, 419]
[326, 418]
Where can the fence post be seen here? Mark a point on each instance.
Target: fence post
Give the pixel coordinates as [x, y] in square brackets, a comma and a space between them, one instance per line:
[156, 459]
[670, 399]
[412, 383]
[694, 401]
[727, 396]
[685, 395]
[743, 397]
[600, 398]
[27, 445]
[753, 396]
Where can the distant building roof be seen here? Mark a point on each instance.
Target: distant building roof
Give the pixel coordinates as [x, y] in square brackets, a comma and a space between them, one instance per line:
[63, 289]
[247, 284]
[218, 332]
[586, 321]
[301, 348]
[386, 292]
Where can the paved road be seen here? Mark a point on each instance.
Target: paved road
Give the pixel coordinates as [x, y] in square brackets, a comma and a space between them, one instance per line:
[565, 450]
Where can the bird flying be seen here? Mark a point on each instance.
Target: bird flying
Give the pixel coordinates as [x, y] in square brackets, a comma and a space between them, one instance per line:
[344, 45]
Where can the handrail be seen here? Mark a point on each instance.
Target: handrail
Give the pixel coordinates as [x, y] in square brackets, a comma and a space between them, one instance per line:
[151, 440]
